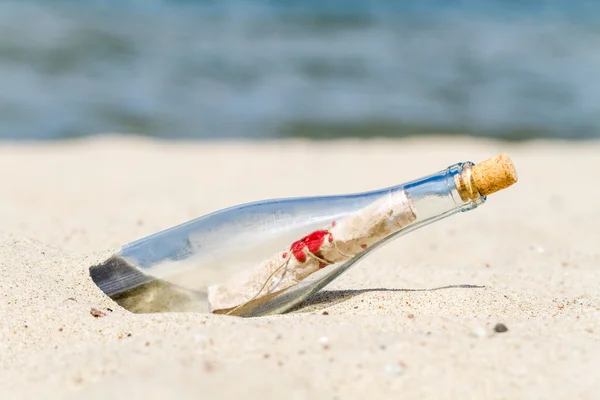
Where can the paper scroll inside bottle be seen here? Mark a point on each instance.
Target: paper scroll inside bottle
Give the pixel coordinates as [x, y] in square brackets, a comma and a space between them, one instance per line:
[337, 242]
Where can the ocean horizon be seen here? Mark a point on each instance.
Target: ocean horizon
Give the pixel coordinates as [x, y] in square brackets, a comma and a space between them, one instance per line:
[266, 70]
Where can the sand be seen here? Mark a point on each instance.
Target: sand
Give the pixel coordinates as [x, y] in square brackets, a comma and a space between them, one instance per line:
[414, 320]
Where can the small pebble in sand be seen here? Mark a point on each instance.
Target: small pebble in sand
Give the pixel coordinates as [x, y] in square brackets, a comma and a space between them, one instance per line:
[500, 328]
[204, 339]
[97, 313]
[479, 332]
[324, 341]
[200, 338]
[394, 369]
[325, 313]
[411, 316]
[208, 366]
[538, 249]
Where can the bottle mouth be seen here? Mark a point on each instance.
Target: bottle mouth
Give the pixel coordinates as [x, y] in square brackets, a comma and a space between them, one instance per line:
[465, 184]
[490, 176]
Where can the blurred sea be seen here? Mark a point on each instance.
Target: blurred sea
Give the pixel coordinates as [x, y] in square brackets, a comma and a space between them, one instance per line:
[319, 69]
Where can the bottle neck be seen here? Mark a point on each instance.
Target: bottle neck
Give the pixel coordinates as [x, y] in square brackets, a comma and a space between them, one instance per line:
[442, 194]
[464, 184]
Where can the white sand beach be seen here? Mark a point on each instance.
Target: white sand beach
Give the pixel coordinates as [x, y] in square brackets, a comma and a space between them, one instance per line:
[414, 320]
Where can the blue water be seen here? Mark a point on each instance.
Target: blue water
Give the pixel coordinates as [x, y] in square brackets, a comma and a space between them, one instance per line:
[318, 69]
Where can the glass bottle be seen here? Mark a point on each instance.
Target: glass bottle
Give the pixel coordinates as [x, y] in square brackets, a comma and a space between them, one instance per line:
[268, 256]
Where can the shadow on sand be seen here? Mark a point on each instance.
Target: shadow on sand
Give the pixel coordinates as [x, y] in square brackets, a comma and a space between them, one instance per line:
[328, 298]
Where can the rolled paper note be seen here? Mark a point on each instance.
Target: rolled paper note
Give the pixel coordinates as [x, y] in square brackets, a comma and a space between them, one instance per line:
[337, 242]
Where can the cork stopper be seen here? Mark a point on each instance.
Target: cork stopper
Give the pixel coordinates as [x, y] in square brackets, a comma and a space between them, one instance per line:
[485, 178]
[493, 175]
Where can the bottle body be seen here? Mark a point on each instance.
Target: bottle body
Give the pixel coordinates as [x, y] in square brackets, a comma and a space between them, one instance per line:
[174, 270]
